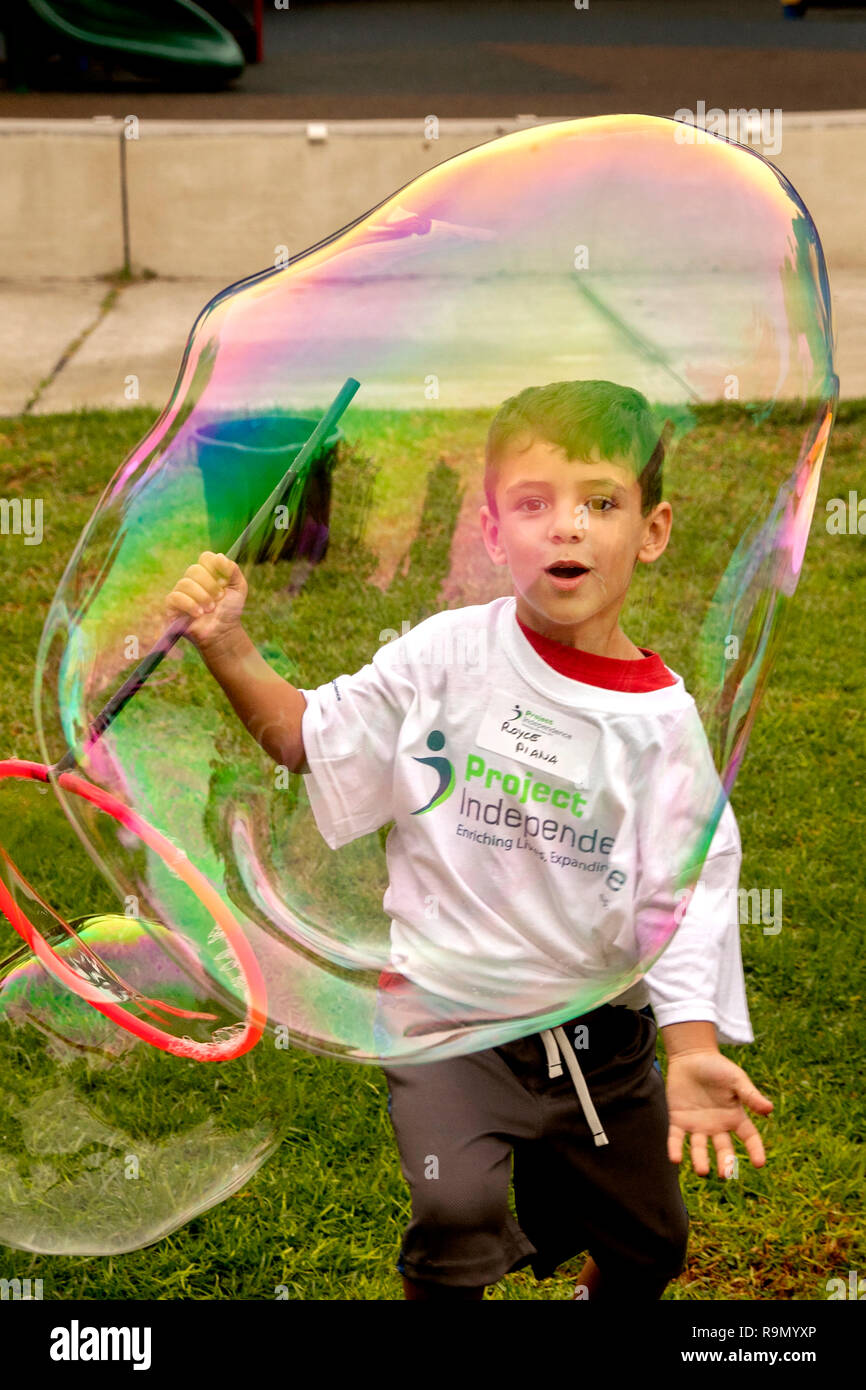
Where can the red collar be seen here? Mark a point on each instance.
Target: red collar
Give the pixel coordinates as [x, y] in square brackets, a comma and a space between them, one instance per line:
[639, 673]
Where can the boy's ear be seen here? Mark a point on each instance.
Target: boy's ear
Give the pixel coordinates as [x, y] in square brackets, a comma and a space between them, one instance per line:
[490, 533]
[657, 532]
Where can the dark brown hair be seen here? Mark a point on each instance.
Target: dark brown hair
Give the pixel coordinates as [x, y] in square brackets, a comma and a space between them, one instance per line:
[576, 416]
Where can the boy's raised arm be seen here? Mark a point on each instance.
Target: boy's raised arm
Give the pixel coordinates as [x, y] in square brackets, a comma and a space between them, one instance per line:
[268, 705]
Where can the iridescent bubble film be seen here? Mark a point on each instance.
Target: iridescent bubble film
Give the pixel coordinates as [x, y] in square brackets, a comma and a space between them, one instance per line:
[621, 249]
[107, 1143]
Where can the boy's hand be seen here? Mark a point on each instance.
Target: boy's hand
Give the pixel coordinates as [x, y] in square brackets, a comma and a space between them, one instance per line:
[213, 592]
[706, 1093]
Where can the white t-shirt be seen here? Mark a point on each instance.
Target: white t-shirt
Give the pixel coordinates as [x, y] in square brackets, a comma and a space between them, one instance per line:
[546, 819]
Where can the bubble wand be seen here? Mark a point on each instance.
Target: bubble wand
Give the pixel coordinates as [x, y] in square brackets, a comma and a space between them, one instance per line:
[235, 1041]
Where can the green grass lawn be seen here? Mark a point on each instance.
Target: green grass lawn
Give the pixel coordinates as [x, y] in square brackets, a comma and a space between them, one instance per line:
[323, 1218]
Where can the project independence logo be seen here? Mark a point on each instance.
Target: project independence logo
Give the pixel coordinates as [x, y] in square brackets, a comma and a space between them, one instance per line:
[526, 789]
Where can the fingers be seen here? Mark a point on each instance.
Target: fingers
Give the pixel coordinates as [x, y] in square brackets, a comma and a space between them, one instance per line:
[211, 573]
[180, 602]
[203, 584]
[700, 1151]
[700, 1156]
[750, 1095]
[675, 1143]
[752, 1140]
[222, 568]
[200, 593]
[725, 1155]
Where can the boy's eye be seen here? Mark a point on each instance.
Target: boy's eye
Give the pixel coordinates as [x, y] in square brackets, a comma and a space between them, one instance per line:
[599, 504]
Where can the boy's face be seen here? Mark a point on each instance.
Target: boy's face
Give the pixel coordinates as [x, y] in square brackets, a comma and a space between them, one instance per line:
[553, 510]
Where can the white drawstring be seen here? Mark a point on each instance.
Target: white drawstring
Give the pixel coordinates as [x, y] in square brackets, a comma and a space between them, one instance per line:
[554, 1068]
[554, 1062]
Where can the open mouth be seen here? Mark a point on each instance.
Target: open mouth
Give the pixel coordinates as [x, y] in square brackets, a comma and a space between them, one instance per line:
[563, 570]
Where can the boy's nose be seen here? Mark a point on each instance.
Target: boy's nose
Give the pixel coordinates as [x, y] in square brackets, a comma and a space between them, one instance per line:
[571, 521]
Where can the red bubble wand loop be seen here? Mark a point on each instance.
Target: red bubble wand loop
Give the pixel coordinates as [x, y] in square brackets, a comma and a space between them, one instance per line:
[245, 1037]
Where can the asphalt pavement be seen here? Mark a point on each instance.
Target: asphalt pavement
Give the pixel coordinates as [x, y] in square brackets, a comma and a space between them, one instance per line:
[538, 57]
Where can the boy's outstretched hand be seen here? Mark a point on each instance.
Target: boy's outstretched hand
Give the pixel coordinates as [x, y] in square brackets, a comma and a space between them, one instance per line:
[706, 1094]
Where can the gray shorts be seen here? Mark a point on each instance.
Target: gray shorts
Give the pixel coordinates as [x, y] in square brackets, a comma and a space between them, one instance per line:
[458, 1122]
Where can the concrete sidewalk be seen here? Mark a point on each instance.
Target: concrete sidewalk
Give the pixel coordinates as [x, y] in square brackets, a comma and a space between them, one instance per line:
[62, 348]
[203, 207]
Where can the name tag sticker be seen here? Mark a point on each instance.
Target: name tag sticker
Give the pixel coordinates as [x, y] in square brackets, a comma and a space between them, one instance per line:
[565, 744]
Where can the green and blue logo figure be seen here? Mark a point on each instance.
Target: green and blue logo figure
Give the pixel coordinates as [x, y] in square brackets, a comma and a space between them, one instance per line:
[445, 769]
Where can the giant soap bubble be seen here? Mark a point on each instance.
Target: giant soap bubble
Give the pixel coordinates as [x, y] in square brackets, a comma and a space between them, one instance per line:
[109, 1144]
[624, 249]
[112, 1134]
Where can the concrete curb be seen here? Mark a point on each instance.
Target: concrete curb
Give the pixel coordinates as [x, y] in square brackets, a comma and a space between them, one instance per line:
[87, 198]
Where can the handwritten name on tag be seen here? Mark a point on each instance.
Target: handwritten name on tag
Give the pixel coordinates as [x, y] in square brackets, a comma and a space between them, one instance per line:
[565, 744]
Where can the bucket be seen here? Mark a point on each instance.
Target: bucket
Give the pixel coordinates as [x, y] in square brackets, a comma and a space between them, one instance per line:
[241, 463]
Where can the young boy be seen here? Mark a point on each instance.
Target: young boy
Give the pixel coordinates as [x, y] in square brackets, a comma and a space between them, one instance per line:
[572, 505]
